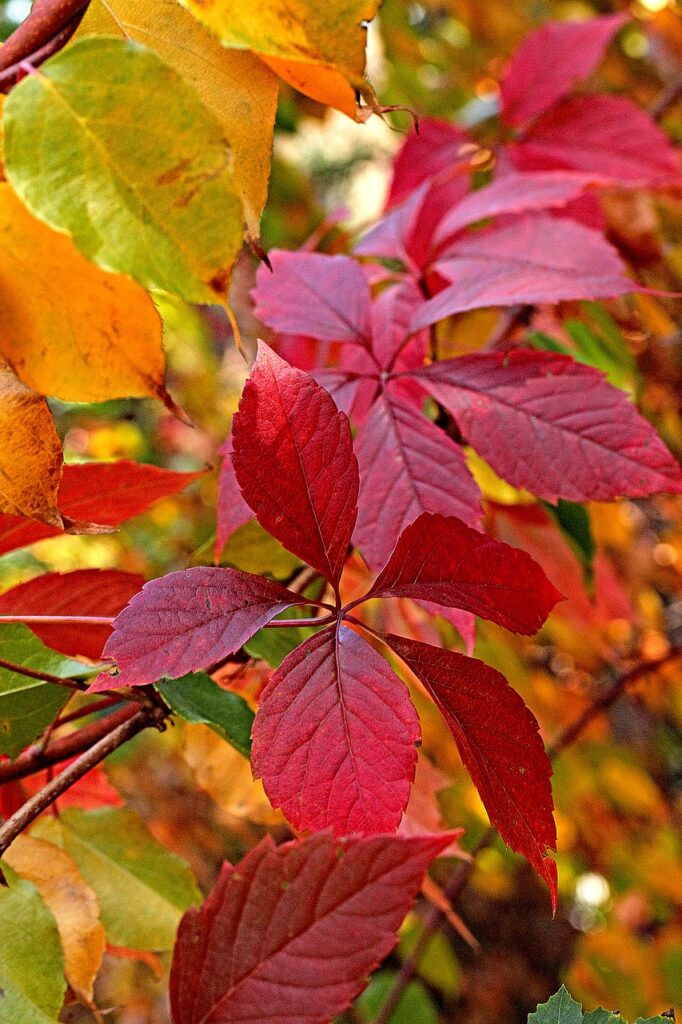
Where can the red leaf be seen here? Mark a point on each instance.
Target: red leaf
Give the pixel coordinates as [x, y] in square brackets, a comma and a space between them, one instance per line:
[232, 511]
[392, 311]
[498, 740]
[432, 152]
[553, 426]
[550, 61]
[83, 592]
[107, 493]
[293, 457]
[309, 293]
[189, 620]
[292, 932]
[440, 559]
[91, 791]
[537, 259]
[407, 466]
[334, 738]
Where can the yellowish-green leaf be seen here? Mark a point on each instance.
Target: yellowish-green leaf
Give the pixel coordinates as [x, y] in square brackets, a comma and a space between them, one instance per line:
[68, 328]
[30, 451]
[112, 146]
[72, 902]
[234, 84]
[141, 887]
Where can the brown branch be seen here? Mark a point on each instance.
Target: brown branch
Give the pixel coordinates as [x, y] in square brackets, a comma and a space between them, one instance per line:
[46, 30]
[668, 98]
[43, 677]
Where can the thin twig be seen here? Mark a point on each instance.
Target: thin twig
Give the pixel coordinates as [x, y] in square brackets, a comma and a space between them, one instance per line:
[43, 677]
[59, 620]
[668, 98]
[48, 28]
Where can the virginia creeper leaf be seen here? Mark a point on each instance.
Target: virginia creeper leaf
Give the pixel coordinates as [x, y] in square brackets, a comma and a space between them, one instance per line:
[561, 1008]
[160, 205]
[292, 932]
[334, 738]
[196, 698]
[83, 592]
[141, 887]
[231, 510]
[553, 426]
[293, 457]
[550, 61]
[188, 620]
[498, 739]
[440, 559]
[435, 150]
[82, 335]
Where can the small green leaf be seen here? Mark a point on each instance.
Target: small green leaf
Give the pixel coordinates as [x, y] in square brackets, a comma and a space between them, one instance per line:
[32, 984]
[27, 706]
[602, 1016]
[196, 698]
[574, 522]
[655, 1020]
[415, 1006]
[150, 197]
[560, 1009]
[141, 887]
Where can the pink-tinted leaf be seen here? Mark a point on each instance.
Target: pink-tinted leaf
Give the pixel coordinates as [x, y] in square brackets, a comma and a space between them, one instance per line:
[553, 426]
[390, 238]
[96, 592]
[407, 466]
[189, 620]
[334, 738]
[605, 135]
[537, 259]
[392, 312]
[435, 151]
[498, 740]
[464, 622]
[292, 933]
[293, 457]
[513, 194]
[309, 293]
[232, 511]
[550, 61]
[440, 559]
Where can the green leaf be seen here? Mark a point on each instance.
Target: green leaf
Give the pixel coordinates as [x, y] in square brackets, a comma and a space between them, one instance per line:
[415, 1006]
[196, 698]
[141, 887]
[32, 984]
[438, 965]
[574, 522]
[273, 645]
[560, 1009]
[113, 147]
[653, 1020]
[252, 549]
[27, 706]
[602, 1016]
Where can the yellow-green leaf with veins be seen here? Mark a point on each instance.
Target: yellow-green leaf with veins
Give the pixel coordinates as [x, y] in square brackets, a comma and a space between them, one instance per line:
[109, 144]
[234, 84]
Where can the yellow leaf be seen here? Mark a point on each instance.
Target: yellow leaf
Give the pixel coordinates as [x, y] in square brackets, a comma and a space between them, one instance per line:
[234, 84]
[322, 84]
[68, 328]
[72, 902]
[30, 452]
[331, 34]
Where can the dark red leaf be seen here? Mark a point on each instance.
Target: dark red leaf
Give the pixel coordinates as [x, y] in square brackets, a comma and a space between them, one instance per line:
[550, 61]
[334, 738]
[440, 559]
[83, 592]
[498, 740]
[189, 620]
[309, 293]
[553, 426]
[536, 259]
[292, 933]
[435, 151]
[407, 466]
[293, 457]
[605, 135]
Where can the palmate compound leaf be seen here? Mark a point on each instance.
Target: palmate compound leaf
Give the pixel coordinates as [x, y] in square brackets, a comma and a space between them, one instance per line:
[440, 559]
[68, 328]
[158, 204]
[334, 738]
[291, 933]
[498, 739]
[553, 426]
[294, 461]
[189, 620]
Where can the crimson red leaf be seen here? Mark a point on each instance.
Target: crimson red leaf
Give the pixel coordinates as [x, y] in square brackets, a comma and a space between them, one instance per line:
[292, 933]
[232, 511]
[189, 620]
[334, 738]
[435, 151]
[407, 466]
[293, 457]
[550, 61]
[83, 592]
[553, 426]
[498, 740]
[309, 293]
[536, 259]
[606, 135]
[440, 559]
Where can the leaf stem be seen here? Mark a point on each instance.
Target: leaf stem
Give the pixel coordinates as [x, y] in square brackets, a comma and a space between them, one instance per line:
[59, 620]
[44, 677]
